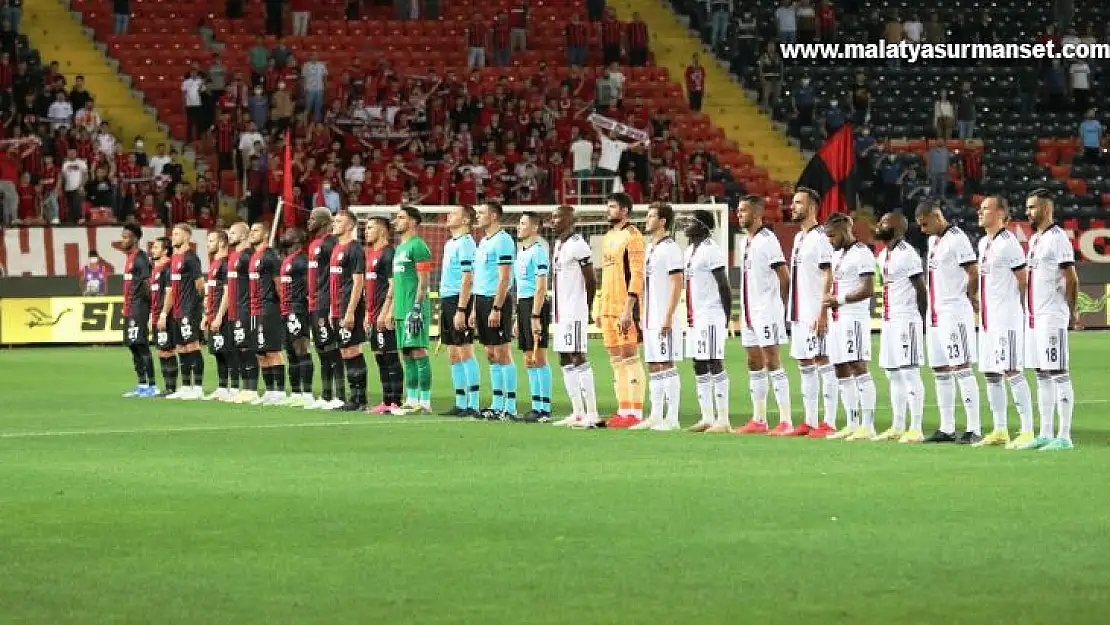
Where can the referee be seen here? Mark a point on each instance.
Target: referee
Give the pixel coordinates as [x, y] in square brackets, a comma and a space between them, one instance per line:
[456, 282]
[533, 314]
[490, 317]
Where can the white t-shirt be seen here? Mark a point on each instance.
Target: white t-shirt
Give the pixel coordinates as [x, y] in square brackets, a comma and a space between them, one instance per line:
[106, 144]
[1080, 75]
[662, 260]
[581, 151]
[760, 257]
[157, 163]
[618, 81]
[247, 141]
[567, 282]
[703, 299]
[60, 114]
[811, 254]
[611, 151]
[850, 266]
[999, 299]
[787, 19]
[913, 30]
[946, 278]
[355, 173]
[191, 87]
[1049, 252]
[74, 173]
[900, 264]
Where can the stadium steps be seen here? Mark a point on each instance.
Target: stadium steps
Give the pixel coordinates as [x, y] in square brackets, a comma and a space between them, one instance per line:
[52, 29]
[725, 102]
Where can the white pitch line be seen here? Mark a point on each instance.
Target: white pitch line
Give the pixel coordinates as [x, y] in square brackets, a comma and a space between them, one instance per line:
[221, 428]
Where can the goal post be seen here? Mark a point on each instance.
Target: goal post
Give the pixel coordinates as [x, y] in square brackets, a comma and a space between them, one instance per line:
[591, 221]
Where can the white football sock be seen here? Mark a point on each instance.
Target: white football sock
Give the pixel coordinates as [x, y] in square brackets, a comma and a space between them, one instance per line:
[1023, 402]
[656, 392]
[969, 389]
[720, 397]
[868, 397]
[946, 401]
[781, 385]
[830, 387]
[589, 393]
[849, 396]
[574, 391]
[757, 385]
[1046, 404]
[1065, 404]
[996, 399]
[673, 388]
[811, 394]
[915, 396]
[705, 397]
[899, 396]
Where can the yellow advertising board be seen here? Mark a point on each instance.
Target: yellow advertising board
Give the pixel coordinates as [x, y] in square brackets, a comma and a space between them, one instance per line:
[46, 320]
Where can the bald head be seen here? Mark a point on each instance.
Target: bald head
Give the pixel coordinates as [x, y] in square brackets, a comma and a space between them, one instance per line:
[237, 233]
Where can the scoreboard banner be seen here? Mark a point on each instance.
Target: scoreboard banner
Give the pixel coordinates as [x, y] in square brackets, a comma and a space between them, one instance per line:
[61, 320]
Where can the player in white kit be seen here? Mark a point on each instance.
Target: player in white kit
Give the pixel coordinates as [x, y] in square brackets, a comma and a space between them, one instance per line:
[849, 337]
[952, 279]
[810, 279]
[1002, 283]
[663, 269]
[902, 338]
[764, 285]
[573, 285]
[1050, 303]
[708, 307]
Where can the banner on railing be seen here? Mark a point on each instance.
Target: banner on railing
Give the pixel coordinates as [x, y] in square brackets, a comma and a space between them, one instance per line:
[63, 251]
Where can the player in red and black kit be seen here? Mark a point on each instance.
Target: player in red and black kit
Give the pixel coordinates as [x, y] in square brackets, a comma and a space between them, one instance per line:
[348, 308]
[181, 318]
[218, 333]
[294, 309]
[136, 310]
[320, 246]
[266, 324]
[244, 379]
[159, 283]
[383, 341]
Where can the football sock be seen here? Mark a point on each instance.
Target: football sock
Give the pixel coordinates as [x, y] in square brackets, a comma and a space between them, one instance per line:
[294, 371]
[508, 383]
[307, 373]
[279, 378]
[781, 385]
[473, 380]
[534, 387]
[185, 366]
[720, 396]
[637, 376]
[545, 388]
[915, 396]
[996, 399]
[137, 363]
[424, 380]
[148, 365]
[811, 394]
[221, 370]
[248, 365]
[969, 388]
[673, 390]
[169, 372]
[757, 385]
[574, 390]
[589, 391]
[412, 382]
[849, 396]
[830, 388]
[898, 399]
[356, 378]
[946, 402]
[496, 382]
[325, 377]
[338, 366]
[1023, 402]
[867, 398]
[1065, 403]
[231, 356]
[620, 386]
[393, 378]
[198, 369]
[458, 380]
[268, 378]
[1046, 404]
[655, 392]
[705, 397]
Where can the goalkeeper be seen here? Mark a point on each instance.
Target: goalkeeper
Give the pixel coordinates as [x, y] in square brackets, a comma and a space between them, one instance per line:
[412, 314]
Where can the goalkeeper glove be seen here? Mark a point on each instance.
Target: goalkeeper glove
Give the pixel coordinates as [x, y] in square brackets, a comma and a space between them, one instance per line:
[414, 323]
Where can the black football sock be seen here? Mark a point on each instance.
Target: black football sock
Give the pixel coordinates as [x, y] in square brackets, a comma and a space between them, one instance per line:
[198, 369]
[393, 378]
[232, 359]
[356, 378]
[148, 364]
[325, 376]
[186, 368]
[169, 372]
[248, 367]
[137, 363]
[268, 378]
[221, 369]
[338, 366]
[307, 373]
[279, 378]
[294, 370]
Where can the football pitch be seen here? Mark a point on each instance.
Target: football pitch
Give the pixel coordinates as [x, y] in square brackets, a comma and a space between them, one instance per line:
[154, 511]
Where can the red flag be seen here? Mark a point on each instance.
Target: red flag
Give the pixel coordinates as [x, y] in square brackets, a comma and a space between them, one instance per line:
[832, 174]
[288, 211]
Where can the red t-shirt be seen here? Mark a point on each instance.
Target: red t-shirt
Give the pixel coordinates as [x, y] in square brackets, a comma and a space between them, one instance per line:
[28, 201]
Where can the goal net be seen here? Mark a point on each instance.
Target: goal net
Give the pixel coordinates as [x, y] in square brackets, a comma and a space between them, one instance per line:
[591, 222]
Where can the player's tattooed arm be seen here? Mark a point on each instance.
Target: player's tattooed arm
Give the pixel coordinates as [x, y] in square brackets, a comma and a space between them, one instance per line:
[724, 290]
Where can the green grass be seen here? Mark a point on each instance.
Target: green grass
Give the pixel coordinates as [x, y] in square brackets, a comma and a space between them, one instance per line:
[148, 511]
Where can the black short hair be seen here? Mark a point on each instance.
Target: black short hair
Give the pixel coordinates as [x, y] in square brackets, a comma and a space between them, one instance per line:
[622, 199]
[814, 196]
[413, 213]
[135, 231]
[1002, 202]
[838, 219]
[166, 243]
[295, 235]
[705, 218]
[385, 223]
[495, 207]
[755, 200]
[929, 206]
[665, 212]
[533, 217]
[93, 254]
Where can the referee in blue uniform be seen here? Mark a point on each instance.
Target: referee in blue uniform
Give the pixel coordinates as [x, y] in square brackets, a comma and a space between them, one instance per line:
[492, 317]
[533, 314]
